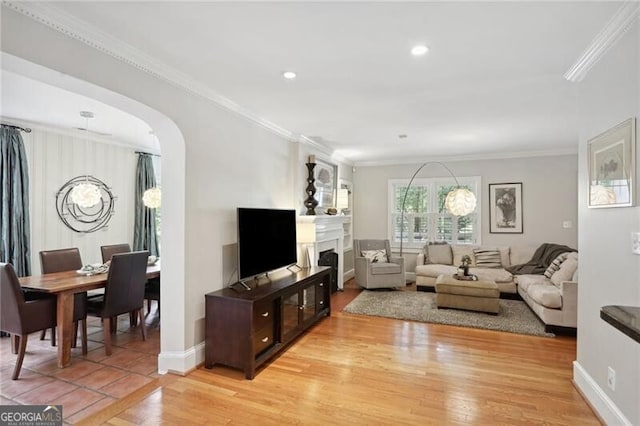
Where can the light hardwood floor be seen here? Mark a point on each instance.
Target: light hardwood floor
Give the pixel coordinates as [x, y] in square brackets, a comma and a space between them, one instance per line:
[352, 369]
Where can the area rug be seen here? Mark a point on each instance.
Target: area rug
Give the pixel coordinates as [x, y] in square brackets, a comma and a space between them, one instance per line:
[514, 316]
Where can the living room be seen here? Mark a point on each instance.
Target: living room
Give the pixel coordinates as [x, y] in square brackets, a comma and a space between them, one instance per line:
[216, 158]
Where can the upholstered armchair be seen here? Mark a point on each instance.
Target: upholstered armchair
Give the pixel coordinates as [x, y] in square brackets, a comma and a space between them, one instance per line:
[374, 265]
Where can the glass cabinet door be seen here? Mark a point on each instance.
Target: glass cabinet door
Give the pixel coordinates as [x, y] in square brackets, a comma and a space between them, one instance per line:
[290, 308]
[308, 303]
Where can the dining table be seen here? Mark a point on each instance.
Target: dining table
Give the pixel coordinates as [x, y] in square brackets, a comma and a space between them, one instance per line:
[64, 285]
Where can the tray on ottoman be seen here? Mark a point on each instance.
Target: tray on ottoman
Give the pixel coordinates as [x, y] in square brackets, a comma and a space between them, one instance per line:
[481, 295]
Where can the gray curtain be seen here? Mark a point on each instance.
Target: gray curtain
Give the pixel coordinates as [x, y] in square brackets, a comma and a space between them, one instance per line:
[14, 193]
[145, 236]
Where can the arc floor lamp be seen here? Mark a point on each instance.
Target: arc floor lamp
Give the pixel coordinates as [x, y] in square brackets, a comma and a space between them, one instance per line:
[459, 202]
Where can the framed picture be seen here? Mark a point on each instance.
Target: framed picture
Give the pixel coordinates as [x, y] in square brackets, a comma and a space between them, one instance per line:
[612, 166]
[326, 184]
[505, 208]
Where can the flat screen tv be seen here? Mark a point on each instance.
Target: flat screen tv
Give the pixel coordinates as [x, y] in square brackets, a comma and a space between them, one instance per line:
[266, 240]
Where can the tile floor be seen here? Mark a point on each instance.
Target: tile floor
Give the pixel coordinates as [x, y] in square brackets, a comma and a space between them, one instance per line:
[91, 382]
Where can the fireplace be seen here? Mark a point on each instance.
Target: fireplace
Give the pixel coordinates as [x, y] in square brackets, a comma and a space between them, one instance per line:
[319, 234]
[330, 258]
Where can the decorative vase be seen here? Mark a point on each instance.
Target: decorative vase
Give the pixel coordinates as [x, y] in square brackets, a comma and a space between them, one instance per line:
[310, 203]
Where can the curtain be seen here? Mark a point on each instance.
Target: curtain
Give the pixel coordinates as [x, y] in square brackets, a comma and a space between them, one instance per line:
[145, 236]
[14, 196]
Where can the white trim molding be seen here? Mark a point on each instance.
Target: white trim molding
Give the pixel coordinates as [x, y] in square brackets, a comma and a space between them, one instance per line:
[597, 398]
[48, 14]
[617, 26]
[181, 362]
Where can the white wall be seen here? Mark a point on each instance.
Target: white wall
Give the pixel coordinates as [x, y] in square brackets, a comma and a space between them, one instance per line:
[609, 273]
[549, 197]
[56, 157]
[228, 162]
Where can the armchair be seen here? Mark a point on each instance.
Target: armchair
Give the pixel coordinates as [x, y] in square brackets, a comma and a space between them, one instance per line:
[372, 273]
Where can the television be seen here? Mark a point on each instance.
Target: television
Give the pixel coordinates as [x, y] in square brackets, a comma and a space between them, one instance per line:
[266, 240]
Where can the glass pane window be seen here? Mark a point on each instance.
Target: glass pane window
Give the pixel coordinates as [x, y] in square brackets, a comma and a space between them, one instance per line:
[425, 215]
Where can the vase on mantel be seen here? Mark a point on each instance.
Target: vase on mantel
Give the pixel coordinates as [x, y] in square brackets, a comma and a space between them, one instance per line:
[310, 203]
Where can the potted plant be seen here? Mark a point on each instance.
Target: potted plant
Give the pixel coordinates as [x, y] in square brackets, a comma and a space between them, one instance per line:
[466, 262]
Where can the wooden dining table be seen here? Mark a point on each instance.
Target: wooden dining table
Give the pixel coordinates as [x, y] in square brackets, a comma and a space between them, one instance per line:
[64, 285]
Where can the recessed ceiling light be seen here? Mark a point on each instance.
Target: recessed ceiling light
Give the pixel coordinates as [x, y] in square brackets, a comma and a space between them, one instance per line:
[419, 50]
[289, 75]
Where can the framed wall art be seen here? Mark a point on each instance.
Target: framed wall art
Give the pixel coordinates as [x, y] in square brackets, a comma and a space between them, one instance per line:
[612, 166]
[505, 208]
[326, 184]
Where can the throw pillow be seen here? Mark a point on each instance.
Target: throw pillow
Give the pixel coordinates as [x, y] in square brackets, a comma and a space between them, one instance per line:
[460, 250]
[440, 253]
[555, 265]
[488, 258]
[566, 271]
[425, 250]
[376, 256]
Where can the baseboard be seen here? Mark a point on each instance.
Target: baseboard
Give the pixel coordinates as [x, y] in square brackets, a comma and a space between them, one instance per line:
[599, 401]
[181, 362]
[348, 275]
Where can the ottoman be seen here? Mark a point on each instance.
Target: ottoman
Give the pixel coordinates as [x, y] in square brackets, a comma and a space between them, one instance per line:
[482, 296]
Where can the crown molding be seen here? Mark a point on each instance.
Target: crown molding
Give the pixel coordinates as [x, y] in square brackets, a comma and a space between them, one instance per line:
[471, 157]
[47, 14]
[617, 26]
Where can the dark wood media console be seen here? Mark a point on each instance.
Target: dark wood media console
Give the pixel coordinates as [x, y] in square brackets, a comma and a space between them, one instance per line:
[244, 329]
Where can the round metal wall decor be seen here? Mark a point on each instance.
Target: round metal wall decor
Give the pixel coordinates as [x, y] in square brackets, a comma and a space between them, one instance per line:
[81, 219]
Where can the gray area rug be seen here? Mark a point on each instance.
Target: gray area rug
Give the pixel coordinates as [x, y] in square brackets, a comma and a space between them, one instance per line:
[514, 317]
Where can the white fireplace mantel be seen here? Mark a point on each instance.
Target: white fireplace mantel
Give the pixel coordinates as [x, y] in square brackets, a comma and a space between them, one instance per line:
[320, 233]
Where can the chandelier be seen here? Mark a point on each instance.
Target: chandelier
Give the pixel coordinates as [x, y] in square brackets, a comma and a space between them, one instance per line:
[152, 198]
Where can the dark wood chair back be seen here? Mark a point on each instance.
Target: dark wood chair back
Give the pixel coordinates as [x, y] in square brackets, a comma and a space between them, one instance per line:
[67, 259]
[109, 251]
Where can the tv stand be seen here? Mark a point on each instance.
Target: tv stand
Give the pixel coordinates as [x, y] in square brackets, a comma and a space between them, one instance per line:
[246, 329]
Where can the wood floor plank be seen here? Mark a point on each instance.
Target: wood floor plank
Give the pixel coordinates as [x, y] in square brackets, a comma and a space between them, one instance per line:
[352, 369]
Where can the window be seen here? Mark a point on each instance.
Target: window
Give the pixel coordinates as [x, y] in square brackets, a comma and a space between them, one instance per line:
[426, 218]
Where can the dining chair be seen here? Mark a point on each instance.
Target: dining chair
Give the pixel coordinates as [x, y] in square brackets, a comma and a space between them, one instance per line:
[124, 292]
[110, 250]
[68, 259]
[19, 316]
[152, 288]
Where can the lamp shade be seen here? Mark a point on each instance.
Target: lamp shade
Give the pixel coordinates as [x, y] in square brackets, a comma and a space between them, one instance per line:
[85, 195]
[342, 201]
[460, 202]
[152, 198]
[602, 196]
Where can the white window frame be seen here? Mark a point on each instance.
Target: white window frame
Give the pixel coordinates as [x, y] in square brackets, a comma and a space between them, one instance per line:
[475, 182]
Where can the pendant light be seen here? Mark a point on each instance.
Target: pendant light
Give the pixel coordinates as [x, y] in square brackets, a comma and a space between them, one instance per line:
[86, 194]
[152, 197]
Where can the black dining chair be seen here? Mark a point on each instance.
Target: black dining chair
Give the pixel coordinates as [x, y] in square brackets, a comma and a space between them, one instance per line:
[20, 317]
[152, 288]
[61, 260]
[124, 292]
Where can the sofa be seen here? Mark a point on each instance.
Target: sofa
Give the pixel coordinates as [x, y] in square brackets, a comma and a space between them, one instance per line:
[552, 299]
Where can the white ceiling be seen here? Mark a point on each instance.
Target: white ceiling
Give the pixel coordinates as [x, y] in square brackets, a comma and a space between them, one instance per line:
[491, 84]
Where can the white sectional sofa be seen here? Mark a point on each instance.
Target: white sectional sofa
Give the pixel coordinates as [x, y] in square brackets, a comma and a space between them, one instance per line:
[554, 302]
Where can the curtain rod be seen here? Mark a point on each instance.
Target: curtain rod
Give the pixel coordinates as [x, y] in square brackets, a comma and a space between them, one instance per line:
[24, 129]
[148, 153]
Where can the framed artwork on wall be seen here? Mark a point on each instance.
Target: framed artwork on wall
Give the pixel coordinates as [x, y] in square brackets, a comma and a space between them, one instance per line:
[612, 166]
[326, 184]
[505, 208]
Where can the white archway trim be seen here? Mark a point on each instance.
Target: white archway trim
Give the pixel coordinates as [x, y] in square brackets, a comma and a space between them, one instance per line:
[173, 355]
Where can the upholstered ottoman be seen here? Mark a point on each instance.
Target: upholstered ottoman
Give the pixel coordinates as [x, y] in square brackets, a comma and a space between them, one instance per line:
[482, 296]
